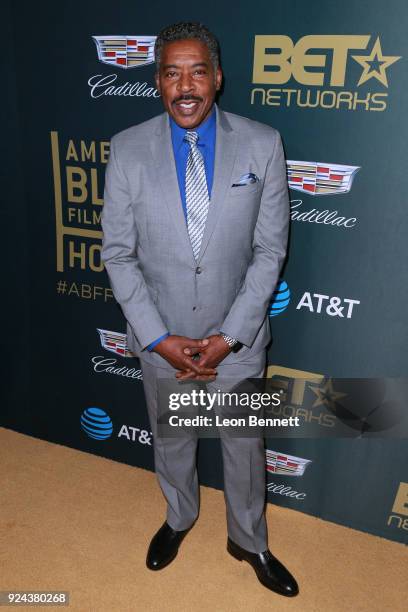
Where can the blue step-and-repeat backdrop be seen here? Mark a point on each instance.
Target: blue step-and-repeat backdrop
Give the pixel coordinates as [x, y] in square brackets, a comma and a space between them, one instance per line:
[333, 79]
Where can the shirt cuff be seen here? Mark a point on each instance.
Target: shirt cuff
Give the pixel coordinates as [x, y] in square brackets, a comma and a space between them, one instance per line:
[151, 346]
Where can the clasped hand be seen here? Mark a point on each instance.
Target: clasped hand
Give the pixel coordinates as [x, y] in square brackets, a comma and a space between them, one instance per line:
[195, 359]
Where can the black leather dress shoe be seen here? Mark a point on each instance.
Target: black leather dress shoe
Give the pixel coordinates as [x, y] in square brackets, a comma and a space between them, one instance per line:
[164, 547]
[271, 573]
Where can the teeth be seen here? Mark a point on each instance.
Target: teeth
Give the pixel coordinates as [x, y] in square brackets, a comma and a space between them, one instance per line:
[189, 105]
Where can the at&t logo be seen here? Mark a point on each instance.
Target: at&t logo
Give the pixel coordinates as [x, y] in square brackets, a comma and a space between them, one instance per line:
[280, 299]
[96, 423]
[332, 306]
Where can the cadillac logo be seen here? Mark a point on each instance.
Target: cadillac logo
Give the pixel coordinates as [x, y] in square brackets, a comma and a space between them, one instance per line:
[114, 342]
[318, 178]
[286, 465]
[125, 51]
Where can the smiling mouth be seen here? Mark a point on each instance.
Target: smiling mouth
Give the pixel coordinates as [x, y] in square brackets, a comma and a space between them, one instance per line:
[188, 105]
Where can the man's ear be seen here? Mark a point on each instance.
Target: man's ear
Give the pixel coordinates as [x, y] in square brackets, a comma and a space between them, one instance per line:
[157, 79]
[218, 79]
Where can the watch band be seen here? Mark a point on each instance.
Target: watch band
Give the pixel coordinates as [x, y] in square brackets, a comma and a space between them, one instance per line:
[230, 341]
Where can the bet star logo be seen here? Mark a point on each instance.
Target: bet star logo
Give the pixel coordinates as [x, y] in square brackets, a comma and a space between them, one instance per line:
[375, 64]
[326, 395]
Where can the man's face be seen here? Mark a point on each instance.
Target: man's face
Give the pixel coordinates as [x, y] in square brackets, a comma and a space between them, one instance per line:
[187, 82]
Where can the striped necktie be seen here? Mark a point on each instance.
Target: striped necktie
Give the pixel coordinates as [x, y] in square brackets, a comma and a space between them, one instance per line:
[197, 199]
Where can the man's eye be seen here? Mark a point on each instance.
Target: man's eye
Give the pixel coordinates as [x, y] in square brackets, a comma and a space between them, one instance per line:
[199, 72]
[170, 74]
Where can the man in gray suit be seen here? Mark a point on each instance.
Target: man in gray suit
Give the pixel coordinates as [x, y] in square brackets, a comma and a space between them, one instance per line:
[195, 224]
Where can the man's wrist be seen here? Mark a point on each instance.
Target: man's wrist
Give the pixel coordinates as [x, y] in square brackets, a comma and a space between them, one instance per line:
[229, 340]
[234, 344]
[153, 345]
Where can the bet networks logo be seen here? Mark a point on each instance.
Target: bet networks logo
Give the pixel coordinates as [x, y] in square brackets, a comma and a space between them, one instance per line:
[298, 389]
[399, 516]
[357, 61]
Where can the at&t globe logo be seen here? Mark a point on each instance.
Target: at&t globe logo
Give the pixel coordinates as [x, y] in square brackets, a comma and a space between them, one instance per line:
[280, 299]
[96, 423]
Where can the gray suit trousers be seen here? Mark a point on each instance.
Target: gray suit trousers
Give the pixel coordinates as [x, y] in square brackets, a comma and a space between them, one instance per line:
[243, 462]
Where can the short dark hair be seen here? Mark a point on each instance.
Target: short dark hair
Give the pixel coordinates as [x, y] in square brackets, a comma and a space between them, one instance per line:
[182, 31]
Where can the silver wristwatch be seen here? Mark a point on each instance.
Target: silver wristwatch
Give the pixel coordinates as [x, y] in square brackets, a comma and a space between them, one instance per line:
[230, 341]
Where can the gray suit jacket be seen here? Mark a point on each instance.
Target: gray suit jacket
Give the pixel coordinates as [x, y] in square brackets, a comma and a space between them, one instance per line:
[146, 248]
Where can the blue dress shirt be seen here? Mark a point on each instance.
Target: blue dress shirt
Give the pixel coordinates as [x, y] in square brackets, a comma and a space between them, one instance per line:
[206, 144]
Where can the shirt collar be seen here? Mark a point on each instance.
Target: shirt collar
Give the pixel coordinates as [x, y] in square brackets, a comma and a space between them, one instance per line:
[205, 131]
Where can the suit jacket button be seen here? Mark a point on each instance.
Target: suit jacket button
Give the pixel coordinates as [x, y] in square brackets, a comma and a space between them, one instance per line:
[194, 307]
[198, 270]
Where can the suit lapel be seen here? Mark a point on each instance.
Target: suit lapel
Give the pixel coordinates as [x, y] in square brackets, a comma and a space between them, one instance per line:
[162, 151]
[225, 152]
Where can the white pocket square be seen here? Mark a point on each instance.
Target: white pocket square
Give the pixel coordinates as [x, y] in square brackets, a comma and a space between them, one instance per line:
[246, 179]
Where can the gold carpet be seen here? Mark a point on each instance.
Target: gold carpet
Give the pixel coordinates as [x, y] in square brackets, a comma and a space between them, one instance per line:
[76, 522]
